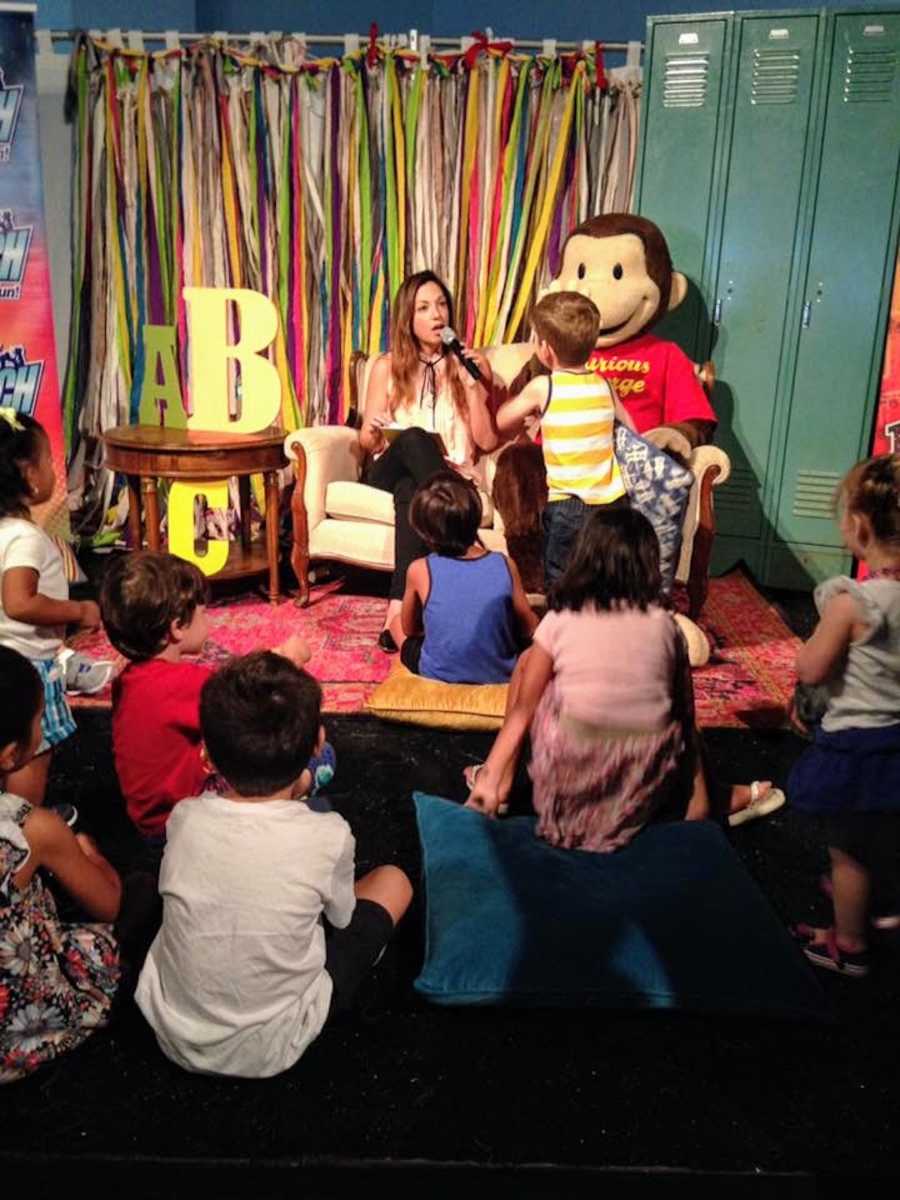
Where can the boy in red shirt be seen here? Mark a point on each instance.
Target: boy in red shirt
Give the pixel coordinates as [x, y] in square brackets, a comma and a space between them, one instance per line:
[154, 612]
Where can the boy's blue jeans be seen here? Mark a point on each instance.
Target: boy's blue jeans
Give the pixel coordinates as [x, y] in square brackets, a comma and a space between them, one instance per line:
[562, 519]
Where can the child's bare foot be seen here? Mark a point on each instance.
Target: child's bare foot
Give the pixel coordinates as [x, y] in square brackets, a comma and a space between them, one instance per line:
[295, 649]
[757, 799]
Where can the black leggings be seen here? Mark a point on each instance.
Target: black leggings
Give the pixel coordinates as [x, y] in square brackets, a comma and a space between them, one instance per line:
[407, 462]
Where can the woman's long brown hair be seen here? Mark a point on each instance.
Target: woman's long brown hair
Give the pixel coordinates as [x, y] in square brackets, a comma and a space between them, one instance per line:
[405, 350]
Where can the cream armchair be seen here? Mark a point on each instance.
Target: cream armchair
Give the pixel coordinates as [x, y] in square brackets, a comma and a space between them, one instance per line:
[337, 518]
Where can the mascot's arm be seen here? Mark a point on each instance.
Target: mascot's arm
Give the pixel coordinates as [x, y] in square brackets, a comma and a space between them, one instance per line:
[686, 407]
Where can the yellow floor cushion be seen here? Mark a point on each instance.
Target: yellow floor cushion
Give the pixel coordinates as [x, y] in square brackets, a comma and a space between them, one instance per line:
[419, 701]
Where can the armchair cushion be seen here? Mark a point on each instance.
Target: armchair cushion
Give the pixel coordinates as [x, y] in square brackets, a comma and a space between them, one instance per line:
[415, 700]
[359, 502]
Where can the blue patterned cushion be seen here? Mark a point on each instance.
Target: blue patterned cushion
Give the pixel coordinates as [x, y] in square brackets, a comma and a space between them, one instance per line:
[658, 487]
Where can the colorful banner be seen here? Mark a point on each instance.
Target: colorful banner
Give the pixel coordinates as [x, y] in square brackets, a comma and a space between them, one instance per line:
[887, 422]
[28, 376]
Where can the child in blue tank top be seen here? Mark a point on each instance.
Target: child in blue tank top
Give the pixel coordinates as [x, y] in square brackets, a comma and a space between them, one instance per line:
[465, 617]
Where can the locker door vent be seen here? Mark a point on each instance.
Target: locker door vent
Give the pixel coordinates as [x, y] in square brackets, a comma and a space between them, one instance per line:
[869, 75]
[814, 494]
[686, 80]
[776, 75]
[739, 492]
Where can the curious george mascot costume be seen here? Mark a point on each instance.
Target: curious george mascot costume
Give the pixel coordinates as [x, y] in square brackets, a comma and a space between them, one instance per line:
[622, 263]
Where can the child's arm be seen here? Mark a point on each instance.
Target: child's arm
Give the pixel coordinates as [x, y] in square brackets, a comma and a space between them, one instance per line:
[341, 899]
[75, 861]
[818, 658]
[23, 602]
[524, 615]
[513, 415]
[495, 778]
[622, 414]
[478, 398]
[414, 597]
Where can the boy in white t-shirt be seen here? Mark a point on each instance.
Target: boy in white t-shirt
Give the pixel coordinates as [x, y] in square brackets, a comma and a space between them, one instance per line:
[264, 932]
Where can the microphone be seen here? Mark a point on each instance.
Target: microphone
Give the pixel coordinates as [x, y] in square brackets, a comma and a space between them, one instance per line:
[452, 342]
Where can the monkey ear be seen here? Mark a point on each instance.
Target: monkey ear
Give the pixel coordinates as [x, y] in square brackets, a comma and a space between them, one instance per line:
[679, 289]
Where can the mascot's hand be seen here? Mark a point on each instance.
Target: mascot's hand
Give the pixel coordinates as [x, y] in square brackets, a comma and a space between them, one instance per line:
[672, 441]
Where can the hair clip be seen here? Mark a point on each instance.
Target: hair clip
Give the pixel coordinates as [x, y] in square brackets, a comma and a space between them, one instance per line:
[11, 417]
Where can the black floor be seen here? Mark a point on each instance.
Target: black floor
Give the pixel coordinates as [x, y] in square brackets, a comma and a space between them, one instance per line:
[424, 1100]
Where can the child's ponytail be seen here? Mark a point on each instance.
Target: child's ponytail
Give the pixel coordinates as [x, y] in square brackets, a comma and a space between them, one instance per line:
[872, 487]
[20, 443]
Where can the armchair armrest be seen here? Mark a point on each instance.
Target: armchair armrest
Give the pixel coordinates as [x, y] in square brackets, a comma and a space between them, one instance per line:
[321, 455]
[711, 467]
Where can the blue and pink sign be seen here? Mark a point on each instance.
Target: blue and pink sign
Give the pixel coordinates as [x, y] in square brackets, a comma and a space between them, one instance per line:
[29, 381]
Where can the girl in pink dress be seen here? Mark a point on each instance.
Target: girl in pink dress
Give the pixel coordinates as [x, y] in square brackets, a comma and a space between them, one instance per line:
[606, 693]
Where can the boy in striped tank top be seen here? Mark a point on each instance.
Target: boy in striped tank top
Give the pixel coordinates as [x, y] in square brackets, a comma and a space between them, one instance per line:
[576, 409]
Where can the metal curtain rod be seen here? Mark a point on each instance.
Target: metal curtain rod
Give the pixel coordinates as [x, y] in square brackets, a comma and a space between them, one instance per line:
[399, 40]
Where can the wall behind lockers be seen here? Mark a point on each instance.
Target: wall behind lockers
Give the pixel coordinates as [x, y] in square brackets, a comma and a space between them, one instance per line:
[568, 20]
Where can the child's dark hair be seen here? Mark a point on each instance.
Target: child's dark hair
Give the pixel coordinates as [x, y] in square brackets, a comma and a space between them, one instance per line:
[21, 695]
[569, 322]
[260, 717]
[614, 563]
[446, 513]
[872, 487]
[20, 442]
[142, 594]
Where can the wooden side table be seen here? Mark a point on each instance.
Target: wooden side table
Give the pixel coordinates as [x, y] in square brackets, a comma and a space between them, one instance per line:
[145, 453]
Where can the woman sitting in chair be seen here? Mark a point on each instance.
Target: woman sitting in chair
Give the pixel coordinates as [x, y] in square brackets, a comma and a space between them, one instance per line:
[423, 413]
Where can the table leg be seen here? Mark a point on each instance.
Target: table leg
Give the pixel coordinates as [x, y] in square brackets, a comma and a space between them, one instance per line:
[134, 512]
[271, 479]
[244, 495]
[151, 508]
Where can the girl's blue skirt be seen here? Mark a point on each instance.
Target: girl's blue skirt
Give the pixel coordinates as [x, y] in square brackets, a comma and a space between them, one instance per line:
[851, 770]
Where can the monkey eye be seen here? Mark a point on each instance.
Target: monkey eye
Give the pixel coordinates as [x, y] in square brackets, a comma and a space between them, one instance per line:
[582, 270]
[617, 271]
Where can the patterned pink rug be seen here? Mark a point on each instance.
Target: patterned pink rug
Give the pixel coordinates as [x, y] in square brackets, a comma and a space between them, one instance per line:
[748, 683]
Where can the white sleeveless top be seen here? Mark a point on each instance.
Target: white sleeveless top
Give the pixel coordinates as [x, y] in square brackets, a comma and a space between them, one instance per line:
[867, 693]
[442, 417]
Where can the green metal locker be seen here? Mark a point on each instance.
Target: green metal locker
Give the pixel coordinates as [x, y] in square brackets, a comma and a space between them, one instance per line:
[767, 159]
[676, 187]
[847, 291]
[774, 175]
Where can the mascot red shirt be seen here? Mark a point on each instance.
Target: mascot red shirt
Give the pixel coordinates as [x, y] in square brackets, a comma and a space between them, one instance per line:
[655, 380]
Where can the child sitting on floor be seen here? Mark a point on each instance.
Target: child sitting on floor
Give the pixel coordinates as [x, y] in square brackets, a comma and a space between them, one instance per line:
[850, 776]
[154, 612]
[34, 593]
[465, 616]
[264, 933]
[606, 692]
[576, 410]
[57, 981]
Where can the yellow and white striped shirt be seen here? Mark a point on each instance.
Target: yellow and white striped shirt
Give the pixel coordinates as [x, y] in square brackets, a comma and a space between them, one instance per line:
[577, 439]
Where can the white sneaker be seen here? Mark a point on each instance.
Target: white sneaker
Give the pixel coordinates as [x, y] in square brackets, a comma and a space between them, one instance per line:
[86, 676]
[759, 806]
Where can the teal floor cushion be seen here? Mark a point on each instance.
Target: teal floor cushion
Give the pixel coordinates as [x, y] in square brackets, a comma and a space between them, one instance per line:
[673, 921]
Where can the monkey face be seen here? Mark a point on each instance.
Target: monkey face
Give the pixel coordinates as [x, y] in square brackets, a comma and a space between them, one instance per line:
[612, 271]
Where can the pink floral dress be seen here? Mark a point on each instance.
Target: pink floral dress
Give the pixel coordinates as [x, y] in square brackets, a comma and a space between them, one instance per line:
[57, 981]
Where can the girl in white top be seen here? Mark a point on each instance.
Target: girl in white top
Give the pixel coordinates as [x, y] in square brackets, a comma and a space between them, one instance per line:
[850, 777]
[34, 594]
[418, 386]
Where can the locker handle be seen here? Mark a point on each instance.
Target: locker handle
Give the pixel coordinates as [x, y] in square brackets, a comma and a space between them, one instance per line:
[807, 314]
[717, 311]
